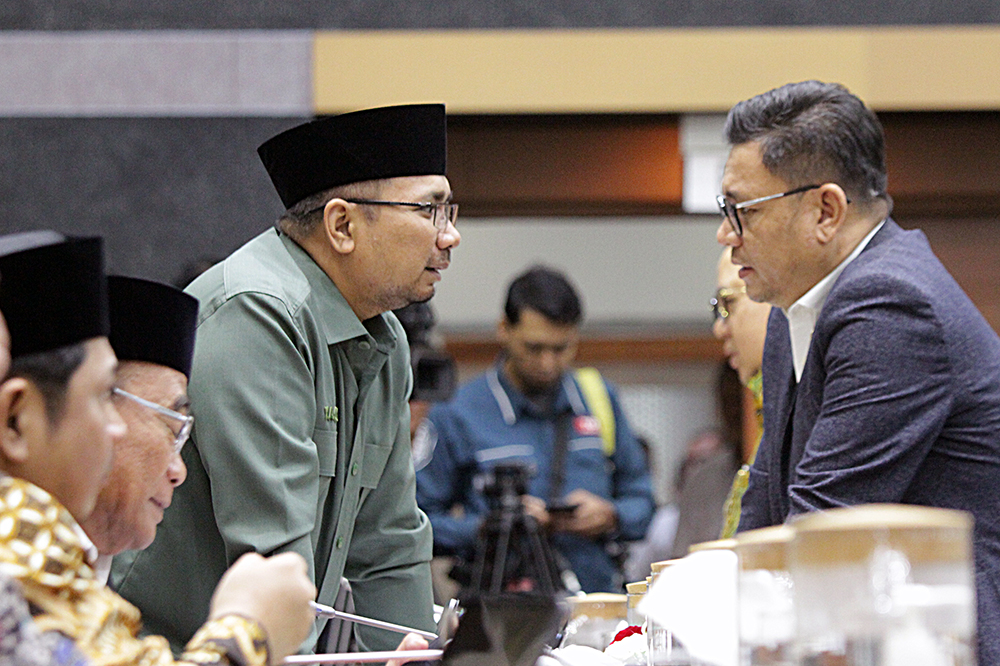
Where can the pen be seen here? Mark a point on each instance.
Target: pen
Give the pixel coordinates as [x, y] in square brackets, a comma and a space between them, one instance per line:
[327, 611]
[361, 657]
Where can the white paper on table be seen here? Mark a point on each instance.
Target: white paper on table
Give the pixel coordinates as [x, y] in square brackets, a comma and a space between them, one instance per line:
[696, 600]
[576, 655]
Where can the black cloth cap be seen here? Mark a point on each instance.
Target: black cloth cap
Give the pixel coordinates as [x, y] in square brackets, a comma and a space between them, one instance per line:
[387, 142]
[152, 322]
[27, 240]
[53, 295]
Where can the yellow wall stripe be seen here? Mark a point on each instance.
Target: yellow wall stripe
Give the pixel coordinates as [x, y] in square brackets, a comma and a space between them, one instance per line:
[653, 70]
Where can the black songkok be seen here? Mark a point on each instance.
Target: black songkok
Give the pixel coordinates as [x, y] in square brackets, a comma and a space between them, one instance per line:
[387, 142]
[152, 322]
[53, 292]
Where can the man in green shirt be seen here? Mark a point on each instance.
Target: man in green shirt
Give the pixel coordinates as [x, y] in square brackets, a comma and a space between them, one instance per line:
[301, 377]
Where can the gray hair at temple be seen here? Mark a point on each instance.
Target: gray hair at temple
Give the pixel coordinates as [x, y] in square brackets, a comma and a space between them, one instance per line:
[301, 220]
[814, 132]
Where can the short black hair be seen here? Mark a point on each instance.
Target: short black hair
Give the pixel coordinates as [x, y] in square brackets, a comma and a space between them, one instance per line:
[814, 132]
[546, 291]
[50, 371]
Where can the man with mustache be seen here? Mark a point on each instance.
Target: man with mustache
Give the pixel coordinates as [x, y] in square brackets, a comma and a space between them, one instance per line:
[301, 377]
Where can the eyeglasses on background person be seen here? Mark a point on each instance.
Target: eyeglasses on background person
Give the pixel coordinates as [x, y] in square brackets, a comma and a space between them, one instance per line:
[186, 420]
[721, 303]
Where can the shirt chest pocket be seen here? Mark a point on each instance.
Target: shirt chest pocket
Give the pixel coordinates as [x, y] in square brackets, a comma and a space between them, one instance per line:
[325, 440]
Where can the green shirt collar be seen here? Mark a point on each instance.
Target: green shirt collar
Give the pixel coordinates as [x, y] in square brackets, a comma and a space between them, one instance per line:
[339, 321]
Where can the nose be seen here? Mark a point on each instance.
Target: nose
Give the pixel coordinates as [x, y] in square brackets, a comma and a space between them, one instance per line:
[726, 234]
[548, 361]
[719, 329]
[176, 471]
[449, 237]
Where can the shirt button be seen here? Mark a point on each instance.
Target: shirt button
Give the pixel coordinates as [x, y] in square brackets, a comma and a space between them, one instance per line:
[354, 469]
[340, 542]
[364, 345]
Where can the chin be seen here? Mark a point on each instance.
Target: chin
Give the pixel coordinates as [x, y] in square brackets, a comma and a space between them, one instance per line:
[541, 386]
[143, 542]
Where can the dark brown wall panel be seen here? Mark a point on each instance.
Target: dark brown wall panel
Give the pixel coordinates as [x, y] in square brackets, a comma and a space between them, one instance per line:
[943, 164]
[574, 165]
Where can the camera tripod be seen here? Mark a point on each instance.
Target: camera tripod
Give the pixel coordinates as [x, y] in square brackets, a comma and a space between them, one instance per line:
[512, 554]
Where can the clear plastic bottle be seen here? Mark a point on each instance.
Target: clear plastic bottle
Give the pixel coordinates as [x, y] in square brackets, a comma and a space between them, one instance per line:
[595, 619]
[884, 585]
[662, 649]
[636, 591]
[766, 606]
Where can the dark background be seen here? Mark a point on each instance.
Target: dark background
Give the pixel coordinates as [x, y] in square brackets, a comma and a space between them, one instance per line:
[162, 191]
[415, 14]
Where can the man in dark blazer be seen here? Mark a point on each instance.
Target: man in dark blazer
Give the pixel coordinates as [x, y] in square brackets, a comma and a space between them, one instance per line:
[881, 379]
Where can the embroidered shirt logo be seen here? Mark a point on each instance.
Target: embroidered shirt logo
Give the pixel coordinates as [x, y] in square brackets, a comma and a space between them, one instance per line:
[330, 413]
[587, 426]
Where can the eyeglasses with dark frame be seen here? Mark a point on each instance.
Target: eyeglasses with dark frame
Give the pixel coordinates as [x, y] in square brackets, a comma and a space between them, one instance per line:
[720, 303]
[186, 420]
[441, 212]
[731, 211]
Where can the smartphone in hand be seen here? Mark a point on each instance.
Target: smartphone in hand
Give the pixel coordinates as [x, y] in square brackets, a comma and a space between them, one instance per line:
[561, 508]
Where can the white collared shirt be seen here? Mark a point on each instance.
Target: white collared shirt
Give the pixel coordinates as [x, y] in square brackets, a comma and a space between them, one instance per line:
[102, 569]
[803, 313]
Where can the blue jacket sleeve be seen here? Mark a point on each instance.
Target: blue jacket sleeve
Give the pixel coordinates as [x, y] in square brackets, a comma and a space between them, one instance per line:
[632, 488]
[446, 482]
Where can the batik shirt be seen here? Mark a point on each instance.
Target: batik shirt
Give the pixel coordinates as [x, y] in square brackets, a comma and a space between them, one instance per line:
[80, 620]
[734, 502]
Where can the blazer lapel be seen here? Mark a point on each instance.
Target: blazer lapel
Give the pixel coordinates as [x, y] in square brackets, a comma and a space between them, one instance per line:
[779, 409]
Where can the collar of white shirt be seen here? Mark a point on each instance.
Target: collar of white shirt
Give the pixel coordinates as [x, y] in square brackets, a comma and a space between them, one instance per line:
[803, 313]
[102, 569]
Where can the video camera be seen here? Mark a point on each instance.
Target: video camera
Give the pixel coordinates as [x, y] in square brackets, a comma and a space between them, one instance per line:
[434, 373]
[512, 554]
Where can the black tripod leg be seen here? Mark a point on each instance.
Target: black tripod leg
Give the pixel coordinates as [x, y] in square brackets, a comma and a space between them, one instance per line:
[540, 555]
[500, 554]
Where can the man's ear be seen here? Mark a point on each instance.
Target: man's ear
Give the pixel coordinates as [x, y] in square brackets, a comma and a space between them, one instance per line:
[832, 211]
[21, 408]
[339, 225]
[503, 330]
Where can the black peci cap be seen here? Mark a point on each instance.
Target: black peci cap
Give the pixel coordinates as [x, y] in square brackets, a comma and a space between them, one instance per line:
[387, 142]
[152, 322]
[27, 240]
[53, 292]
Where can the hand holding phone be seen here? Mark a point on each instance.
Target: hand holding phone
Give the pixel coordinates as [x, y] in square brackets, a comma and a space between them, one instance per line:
[561, 508]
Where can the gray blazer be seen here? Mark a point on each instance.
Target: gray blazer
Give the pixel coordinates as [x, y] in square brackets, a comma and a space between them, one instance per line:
[899, 401]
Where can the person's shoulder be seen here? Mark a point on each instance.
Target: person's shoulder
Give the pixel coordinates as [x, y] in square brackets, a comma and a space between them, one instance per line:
[476, 388]
[262, 268]
[896, 262]
[265, 265]
[469, 398]
[896, 253]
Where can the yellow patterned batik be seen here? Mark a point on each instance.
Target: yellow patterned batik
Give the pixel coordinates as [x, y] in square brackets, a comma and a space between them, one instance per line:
[39, 547]
[734, 503]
